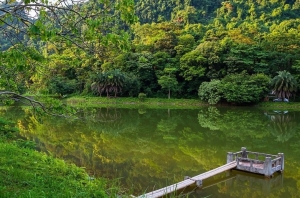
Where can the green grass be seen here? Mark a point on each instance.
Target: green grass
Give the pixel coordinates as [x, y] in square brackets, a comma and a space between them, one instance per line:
[279, 105]
[160, 103]
[28, 173]
[135, 102]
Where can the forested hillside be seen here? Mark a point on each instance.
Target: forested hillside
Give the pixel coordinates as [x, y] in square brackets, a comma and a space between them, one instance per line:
[233, 51]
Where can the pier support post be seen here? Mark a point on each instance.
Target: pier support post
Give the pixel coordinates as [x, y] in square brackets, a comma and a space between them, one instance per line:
[229, 157]
[199, 183]
[282, 161]
[244, 152]
[268, 167]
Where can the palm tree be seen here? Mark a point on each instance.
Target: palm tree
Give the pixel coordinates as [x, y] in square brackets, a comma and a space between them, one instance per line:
[284, 85]
[111, 81]
[115, 81]
[99, 83]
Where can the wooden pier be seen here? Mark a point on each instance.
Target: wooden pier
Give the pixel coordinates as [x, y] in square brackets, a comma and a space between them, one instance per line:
[240, 161]
[261, 163]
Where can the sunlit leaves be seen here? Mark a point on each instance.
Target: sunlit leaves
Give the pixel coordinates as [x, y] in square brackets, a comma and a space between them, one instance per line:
[191, 65]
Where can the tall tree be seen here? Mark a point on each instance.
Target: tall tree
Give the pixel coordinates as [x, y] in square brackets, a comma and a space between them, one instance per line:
[168, 81]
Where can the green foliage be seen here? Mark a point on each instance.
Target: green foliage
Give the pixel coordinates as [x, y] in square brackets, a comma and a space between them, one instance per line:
[243, 88]
[203, 40]
[168, 81]
[132, 85]
[209, 92]
[25, 144]
[284, 85]
[27, 173]
[17, 67]
[7, 129]
[246, 57]
[110, 82]
[185, 44]
[62, 86]
[142, 97]
[191, 65]
[296, 70]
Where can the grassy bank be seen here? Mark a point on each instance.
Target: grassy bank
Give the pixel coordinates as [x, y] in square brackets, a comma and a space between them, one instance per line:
[163, 103]
[28, 173]
[134, 102]
[279, 105]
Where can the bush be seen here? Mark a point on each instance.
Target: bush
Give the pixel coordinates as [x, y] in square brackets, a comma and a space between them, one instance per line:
[209, 92]
[132, 86]
[61, 85]
[235, 88]
[142, 97]
[243, 88]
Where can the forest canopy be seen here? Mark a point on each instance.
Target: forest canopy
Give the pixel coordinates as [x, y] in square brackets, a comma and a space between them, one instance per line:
[159, 48]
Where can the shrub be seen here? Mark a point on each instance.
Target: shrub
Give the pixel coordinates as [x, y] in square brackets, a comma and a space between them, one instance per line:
[209, 92]
[61, 85]
[142, 97]
[243, 88]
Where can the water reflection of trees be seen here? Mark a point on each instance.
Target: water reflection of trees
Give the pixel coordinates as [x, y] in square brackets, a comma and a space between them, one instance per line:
[244, 122]
[239, 123]
[141, 148]
[102, 114]
[283, 124]
[150, 149]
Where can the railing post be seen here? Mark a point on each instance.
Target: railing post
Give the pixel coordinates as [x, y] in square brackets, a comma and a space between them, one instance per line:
[244, 152]
[268, 167]
[282, 161]
[229, 157]
[237, 162]
[186, 177]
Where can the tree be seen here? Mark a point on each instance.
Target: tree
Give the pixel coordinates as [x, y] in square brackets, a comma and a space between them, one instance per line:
[251, 58]
[243, 88]
[209, 92]
[186, 43]
[284, 85]
[70, 20]
[191, 65]
[28, 26]
[168, 81]
[109, 82]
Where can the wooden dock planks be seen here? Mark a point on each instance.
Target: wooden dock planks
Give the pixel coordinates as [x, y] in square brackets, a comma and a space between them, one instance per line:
[172, 188]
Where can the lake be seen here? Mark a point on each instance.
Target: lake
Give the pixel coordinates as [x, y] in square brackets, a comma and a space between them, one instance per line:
[146, 149]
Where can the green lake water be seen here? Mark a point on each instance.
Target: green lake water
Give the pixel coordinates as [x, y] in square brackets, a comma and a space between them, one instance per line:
[146, 149]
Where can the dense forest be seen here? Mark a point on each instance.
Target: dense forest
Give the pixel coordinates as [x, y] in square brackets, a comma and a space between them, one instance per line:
[233, 51]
